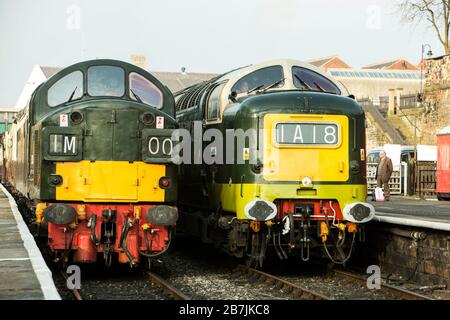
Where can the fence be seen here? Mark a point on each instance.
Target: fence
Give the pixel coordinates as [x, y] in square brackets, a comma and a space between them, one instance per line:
[396, 184]
[425, 178]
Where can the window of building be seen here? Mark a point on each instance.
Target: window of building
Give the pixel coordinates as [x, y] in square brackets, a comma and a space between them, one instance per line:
[311, 80]
[106, 81]
[213, 108]
[260, 78]
[144, 90]
[69, 87]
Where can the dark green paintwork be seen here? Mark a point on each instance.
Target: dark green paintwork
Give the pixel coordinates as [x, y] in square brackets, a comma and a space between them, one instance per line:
[111, 128]
[248, 113]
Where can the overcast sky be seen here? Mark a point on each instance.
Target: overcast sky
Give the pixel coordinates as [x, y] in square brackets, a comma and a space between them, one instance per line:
[201, 35]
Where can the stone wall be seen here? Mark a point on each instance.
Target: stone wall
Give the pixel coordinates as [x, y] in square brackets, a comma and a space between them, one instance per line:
[424, 261]
[375, 137]
[435, 113]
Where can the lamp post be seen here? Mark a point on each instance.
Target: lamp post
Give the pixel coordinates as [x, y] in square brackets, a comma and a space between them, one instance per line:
[429, 54]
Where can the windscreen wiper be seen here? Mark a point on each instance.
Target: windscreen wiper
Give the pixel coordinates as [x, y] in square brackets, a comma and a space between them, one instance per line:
[255, 88]
[273, 85]
[72, 94]
[136, 96]
[302, 82]
[319, 87]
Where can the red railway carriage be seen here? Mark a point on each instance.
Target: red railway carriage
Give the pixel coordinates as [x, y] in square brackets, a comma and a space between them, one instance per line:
[443, 164]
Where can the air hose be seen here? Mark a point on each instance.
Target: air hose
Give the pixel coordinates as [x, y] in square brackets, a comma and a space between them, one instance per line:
[123, 242]
[149, 245]
[69, 247]
[326, 248]
[93, 222]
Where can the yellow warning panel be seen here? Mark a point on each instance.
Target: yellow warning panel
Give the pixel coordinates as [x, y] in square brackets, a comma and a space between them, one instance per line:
[305, 145]
[110, 181]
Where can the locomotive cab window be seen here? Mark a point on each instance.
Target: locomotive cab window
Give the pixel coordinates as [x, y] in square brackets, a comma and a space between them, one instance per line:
[68, 88]
[213, 108]
[261, 79]
[309, 80]
[141, 89]
[106, 81]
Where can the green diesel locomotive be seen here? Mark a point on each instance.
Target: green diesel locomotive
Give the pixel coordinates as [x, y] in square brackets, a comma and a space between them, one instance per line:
[276, 161]
[92, 151]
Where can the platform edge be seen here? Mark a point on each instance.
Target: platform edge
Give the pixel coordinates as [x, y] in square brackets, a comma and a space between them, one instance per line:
[43, 273]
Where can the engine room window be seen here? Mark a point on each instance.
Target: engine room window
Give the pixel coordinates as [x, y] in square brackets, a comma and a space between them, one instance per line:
[141, 89]
[309, 80]
[106, 81]
[260, 78]
[68, 88]
[213, 111]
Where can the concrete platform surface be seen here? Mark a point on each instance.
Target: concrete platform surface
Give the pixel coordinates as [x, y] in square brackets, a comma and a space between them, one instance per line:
[23, 272]
[415, 212]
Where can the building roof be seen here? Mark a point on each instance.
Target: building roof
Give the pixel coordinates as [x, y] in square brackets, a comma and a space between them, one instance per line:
[320, 62]
[176, 81]
[389, 65]
[49, 71]
[8, 109]
[378, 74]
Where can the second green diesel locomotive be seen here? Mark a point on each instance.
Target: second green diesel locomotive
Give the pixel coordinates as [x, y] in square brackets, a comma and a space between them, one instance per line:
[293, 178]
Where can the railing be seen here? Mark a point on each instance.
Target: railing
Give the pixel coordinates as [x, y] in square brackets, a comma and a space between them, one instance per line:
[406, 180]
[396, 184]
[408, 101]
[385, 126]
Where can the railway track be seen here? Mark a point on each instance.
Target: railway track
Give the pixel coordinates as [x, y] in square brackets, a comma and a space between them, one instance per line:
[295, 291]
[397, 292]
[75, 292]
[167, 287]
[355, 286]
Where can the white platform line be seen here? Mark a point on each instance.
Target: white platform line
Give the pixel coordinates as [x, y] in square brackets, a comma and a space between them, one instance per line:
[412, 222]
[14, 259]
[40, 268]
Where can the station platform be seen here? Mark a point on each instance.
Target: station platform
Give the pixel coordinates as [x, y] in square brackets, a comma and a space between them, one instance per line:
[24, 274]
[414, 212]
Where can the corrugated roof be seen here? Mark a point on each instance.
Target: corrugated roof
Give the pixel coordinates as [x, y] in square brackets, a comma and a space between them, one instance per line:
[176, 81]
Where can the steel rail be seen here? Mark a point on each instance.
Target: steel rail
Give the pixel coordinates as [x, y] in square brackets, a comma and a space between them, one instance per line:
[297, 291]
[397, 292]
[167, 287]
[75, 292]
